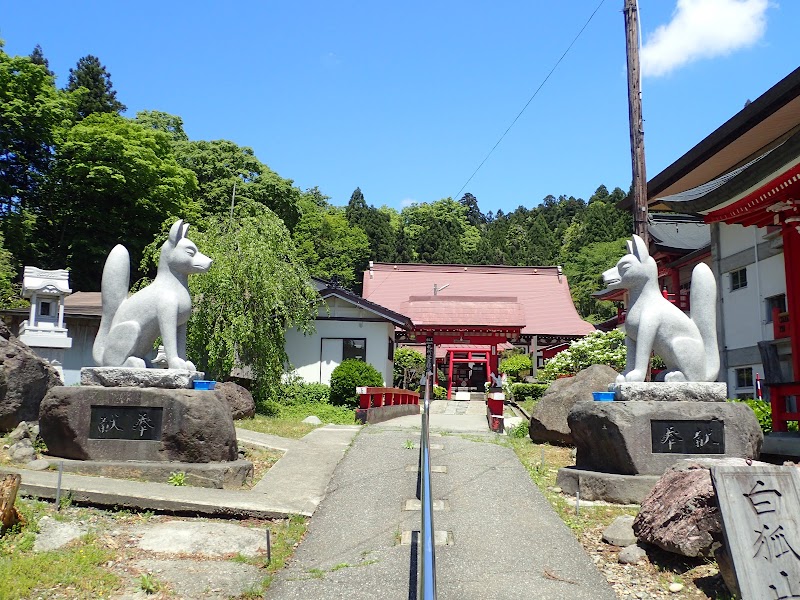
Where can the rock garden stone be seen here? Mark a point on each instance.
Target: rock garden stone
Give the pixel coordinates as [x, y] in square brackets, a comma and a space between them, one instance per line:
[39, 464]
[24, 381]
[312, 420]
[620, 532]
[549, 417]
[631, 555]
[681, 514]
[238, 398]
[22, 451]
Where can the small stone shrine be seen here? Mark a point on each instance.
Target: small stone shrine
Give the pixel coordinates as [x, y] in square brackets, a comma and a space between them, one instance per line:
[625, 445]
[130, 416]
[44, 331]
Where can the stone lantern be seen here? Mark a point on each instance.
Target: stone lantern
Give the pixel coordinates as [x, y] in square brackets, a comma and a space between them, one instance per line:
[44, 330]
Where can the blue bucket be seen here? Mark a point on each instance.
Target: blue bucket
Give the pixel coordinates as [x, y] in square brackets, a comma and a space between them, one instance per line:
[204, 384]
[603, 396]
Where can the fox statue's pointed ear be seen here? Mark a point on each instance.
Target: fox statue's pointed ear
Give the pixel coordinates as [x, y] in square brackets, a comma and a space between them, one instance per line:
[629, 244]
[640, 249]
[176, 232]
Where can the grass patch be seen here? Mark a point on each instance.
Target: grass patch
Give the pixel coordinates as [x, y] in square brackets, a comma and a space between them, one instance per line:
[528, 405]
[262, 459]
[285, 535]
[543, 462]
[288, 420]
[73, 572]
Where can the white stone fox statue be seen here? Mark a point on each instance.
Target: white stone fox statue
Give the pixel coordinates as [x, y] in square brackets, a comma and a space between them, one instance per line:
[130, 325]
[653, 324]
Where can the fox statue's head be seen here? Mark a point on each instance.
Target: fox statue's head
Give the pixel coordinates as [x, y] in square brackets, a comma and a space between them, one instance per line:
[180, 254]
[634, 269]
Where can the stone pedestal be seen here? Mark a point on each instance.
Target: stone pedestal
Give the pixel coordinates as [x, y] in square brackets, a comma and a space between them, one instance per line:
[142, 424]
[622, 446]
[144, 378]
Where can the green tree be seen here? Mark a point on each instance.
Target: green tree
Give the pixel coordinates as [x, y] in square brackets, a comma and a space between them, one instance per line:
[113, 181]
[436, 230]
[37, 58]
[376, 224]
[9, 292]
[220, 164]
[256, 289]
[329, 245]
[31, 111]
[584, 270]
[100, 96]
[172, 125]
[409, 366]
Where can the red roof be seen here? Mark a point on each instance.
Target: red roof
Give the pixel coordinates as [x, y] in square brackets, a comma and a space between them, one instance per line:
[447, 311]
[536, 297]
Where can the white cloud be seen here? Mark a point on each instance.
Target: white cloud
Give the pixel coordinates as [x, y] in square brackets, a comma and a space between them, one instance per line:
[703, 29]
[406, 202]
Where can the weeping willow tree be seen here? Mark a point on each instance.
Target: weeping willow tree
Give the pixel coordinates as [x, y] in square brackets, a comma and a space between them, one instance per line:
[255, 290]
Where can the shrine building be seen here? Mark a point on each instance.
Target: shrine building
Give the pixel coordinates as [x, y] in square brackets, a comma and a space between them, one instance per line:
[474, 312]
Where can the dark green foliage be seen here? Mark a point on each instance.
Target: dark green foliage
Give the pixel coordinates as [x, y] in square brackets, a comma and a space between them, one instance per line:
[528, 391]
[515, 364]
[473, 214]
[172, 125]
[349, 375]
[113, 181]
[37, 58]
[98, 95]
[376, 224]
[300, 392]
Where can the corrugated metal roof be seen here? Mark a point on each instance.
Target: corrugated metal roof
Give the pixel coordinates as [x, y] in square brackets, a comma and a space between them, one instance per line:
[542, 294]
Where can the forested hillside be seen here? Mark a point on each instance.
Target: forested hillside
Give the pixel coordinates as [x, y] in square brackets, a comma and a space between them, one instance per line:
[78, 177]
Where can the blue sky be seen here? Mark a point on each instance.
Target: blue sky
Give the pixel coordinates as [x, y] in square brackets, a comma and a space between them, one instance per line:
[406, 99]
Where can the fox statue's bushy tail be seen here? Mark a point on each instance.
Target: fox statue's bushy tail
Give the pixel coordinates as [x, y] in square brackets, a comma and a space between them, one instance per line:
[113, 290]
[703, 311]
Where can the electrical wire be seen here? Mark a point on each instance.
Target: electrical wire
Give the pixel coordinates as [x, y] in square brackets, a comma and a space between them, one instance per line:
[541, 85]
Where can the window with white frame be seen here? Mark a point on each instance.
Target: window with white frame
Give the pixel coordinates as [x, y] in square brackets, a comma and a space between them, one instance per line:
[738, 279]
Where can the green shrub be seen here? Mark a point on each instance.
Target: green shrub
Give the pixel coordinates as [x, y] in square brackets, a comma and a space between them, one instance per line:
[409, 365]
[527, 391]
[515, 364]
[597, 348]
[300, 392]
[439, 393]
[349, 375]
[762, 410]
[520, 430]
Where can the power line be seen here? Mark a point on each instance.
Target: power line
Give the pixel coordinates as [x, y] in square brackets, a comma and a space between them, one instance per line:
[541, 85]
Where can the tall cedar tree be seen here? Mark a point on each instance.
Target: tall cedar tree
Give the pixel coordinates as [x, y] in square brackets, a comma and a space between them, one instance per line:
[376, 224]
[37, 58]
[99, 97]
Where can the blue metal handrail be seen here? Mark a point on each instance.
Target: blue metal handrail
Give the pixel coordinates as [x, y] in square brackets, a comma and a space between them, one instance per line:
[428, 562]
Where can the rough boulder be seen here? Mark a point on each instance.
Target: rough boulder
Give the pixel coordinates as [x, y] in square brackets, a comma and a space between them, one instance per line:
[238, 398]
[549, 417]
[24, 381]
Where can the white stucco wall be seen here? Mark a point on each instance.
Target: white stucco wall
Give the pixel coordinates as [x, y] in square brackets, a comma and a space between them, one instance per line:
[305, 352]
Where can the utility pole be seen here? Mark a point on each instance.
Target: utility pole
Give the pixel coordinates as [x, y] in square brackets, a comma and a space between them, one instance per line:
[631, 12]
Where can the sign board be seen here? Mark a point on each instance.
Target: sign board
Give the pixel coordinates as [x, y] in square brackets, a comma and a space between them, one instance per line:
[687, 437]
[760, 509]
[125, 423]
[429, 355]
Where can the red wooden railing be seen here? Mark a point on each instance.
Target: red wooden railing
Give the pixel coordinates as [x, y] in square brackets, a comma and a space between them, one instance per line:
[373, 397]
[783, 398]
[780, 323]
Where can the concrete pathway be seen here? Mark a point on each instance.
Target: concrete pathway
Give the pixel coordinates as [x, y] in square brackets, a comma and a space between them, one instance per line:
[294, 485]
[503, 539]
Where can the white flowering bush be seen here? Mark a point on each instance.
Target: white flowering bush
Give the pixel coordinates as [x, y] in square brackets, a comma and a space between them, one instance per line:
[597, 348]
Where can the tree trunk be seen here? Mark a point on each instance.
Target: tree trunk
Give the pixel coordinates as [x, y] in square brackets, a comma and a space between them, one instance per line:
[8, 495]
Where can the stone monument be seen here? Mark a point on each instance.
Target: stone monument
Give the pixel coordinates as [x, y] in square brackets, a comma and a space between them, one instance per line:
[625, 445]
[126, 412]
